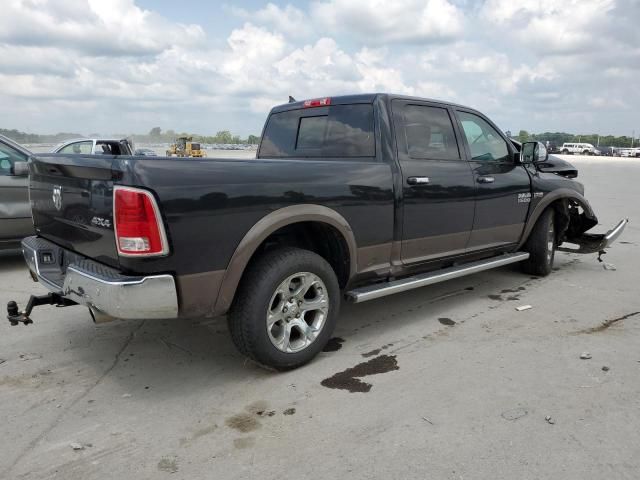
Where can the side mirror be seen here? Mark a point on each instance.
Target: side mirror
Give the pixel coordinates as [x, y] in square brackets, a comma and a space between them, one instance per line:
[20, 169]
[541, 154]
[533, 152]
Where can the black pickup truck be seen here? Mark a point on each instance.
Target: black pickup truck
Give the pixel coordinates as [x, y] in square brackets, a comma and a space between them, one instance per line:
[355, 196]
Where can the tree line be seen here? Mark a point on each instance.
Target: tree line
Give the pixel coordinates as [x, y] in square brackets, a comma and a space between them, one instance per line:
[558, 138]
[22, 137]
[156, 135]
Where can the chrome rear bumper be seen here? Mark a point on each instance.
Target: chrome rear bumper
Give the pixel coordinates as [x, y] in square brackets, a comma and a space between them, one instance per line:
[103, 289]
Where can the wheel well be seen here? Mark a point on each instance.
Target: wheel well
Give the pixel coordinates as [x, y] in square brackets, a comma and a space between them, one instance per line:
[318, 237]
[561, 219]
[570, 220]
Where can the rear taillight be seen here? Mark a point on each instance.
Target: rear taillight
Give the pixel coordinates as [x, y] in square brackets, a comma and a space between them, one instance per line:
[317, 102]
[138, 225]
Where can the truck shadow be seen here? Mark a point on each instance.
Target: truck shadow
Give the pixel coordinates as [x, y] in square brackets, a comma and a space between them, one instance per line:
[11, 259]
[171, 356]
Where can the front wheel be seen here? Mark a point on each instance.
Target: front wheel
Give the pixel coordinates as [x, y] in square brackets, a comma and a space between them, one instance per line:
[541, 246]
[285, 309]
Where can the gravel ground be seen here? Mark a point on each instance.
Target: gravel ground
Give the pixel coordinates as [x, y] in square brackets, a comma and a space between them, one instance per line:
[450, 381]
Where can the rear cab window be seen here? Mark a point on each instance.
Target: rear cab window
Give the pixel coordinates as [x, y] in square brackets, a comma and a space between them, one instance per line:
[336, 131]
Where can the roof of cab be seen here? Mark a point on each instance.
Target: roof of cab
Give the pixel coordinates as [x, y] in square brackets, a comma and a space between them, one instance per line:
[360, 98]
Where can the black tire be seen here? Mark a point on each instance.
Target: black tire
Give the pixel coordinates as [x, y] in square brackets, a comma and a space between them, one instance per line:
[541, 246]
[257, 297]
[565, 152]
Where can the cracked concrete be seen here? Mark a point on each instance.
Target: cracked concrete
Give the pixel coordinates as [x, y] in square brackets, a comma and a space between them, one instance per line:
[468, 399]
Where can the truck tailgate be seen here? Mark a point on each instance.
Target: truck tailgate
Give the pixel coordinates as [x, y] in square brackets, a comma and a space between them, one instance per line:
[72, 203]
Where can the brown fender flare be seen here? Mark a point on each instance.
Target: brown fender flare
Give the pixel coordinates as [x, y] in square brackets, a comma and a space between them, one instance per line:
[547, 200]
[265, 227]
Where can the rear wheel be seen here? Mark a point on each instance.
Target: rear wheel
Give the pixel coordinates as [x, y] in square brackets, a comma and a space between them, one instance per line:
[541, 246]
[285, 309]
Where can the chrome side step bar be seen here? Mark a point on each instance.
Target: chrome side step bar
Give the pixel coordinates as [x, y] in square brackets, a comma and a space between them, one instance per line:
[371, 292]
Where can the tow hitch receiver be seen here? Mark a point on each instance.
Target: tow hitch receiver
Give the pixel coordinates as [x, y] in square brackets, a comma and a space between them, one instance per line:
[15, 316]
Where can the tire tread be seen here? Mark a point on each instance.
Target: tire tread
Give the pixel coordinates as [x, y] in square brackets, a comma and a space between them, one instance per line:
[536, 245]
[242, 315]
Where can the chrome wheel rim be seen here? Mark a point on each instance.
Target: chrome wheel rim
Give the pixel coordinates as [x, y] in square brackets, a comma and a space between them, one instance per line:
[551, 240]
[297, 312]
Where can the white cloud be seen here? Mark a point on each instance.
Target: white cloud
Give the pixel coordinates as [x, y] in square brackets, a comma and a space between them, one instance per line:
[98, 27]
[376, 76]
[252, 50]
[550, 27]
[435, 90]
[288, 20]
[109, 65]
[380, 21]
[322, 61]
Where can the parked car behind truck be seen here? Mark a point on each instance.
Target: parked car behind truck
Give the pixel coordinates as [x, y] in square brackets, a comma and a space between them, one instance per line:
[96, 146]
[15, 212]
[356, 196]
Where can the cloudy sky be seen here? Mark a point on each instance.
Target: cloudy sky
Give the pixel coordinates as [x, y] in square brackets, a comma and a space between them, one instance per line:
[115, 66]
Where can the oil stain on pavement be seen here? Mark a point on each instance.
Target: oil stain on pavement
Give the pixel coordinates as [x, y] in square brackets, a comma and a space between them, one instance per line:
[349, 379]
[243, 422]
[333, 345]
[447, 321]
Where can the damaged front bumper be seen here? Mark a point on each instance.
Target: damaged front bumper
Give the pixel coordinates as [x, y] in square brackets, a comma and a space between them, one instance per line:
[595, 242]
[74, 279]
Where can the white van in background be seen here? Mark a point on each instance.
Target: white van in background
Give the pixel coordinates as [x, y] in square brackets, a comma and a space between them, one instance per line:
[578, 149]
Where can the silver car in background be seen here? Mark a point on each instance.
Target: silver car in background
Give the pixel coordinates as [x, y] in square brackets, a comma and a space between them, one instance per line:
[96, 146]
[15, 211]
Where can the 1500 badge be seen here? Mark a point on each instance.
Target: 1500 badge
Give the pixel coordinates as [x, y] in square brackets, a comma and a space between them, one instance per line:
[526, 197]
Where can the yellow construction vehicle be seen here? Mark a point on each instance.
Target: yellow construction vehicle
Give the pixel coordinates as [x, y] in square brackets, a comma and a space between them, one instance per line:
[185, 147]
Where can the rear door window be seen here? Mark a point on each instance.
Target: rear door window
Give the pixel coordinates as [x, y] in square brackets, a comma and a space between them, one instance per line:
[337, 131]
[429, 133]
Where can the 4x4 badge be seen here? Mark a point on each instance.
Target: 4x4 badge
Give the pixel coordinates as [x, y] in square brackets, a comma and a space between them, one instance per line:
[57, 197]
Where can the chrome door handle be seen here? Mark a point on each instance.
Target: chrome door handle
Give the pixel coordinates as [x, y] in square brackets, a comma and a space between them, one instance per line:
[418, 180]
[485, 179]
